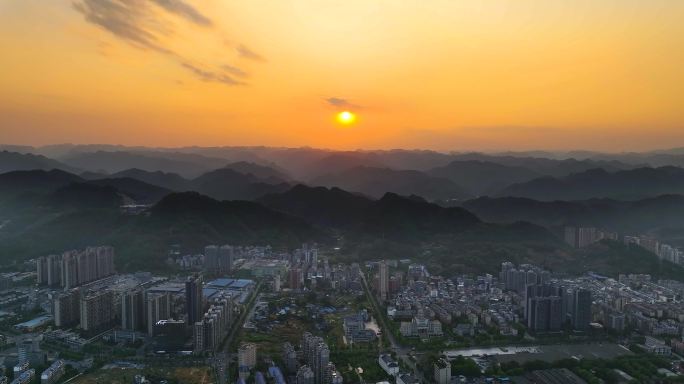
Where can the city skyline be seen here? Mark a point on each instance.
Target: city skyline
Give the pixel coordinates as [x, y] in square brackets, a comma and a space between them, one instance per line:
[444, 75]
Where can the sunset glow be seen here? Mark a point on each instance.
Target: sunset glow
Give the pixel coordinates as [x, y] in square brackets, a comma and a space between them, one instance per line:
[443, 74]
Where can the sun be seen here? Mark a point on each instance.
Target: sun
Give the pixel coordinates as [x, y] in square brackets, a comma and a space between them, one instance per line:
[346, 118]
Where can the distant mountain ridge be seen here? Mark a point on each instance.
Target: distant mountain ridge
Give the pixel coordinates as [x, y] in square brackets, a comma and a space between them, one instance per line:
[637, 216]
[14, 161]
[150, 186]
[236, 181]
[599, 183]
[228, 184]
[482, 177]
[38, 183]
[547, 166]
[263, 172]
[187, 165]
[376, 182]
[168, 180]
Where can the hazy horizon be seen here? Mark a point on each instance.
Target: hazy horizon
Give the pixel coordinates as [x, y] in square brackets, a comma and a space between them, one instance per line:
[553, 151]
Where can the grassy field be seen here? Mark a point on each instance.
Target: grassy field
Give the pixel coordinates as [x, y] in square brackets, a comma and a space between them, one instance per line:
[185, 375]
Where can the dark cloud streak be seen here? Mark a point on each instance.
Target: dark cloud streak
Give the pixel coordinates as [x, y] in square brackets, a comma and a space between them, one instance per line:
[123, 19]
[135, 22]
[341, 103]
[234, 70]
[185, 11]
[207, 75]
[247, 53]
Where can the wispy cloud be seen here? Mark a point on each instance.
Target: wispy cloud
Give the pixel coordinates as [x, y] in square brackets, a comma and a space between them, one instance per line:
[125, 19]
[234, 70]
[208, 75]
[341, 103]
[145, 25]
[185, 11]
[247, 53]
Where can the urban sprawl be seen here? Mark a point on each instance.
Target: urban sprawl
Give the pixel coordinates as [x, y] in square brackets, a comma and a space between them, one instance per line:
[253, 314]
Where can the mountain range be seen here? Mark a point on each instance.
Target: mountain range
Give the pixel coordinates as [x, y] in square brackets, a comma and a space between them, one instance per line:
[67, 211]
[453, 211]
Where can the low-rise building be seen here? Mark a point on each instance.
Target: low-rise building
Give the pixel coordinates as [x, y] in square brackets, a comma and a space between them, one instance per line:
[421, 327]
[388, 364]
[25, 378]
[407, 378]
[442, 371]
[656, 347]
[53, 373]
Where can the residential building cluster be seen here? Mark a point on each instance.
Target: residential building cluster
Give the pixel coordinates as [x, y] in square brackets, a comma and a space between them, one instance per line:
[580, 237]
[653, 308]
[74, 268]
[547, 306]
[176, 314]
[211, 329]
[663, 251]
[427, 304]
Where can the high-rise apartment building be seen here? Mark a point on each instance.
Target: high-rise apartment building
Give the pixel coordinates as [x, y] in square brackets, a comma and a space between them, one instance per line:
[157, 307]
[218, 260]
[212, 328]
[194, 300]
[317, 356]
[133, 310]
[543, 308]
[582, 309]
[295, 278]
[383, 279]
[586, 236]
[41, 271]
[290, 358]
[305, 375]
[66, 308]
[74, 268]
[97, 310]
[570, 236]
[54, 270]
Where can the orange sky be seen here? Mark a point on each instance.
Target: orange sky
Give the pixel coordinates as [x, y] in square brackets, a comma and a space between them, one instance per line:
[441, 74]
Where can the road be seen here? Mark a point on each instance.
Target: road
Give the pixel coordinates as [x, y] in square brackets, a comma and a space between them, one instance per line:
[401, 351]
[221, 359]
[241, 320]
